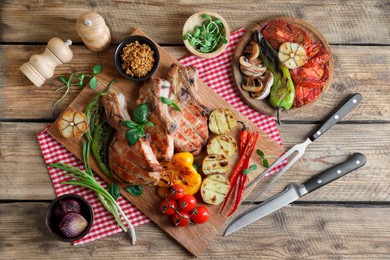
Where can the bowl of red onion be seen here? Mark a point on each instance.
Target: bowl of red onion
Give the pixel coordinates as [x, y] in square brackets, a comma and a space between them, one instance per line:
[69, 217]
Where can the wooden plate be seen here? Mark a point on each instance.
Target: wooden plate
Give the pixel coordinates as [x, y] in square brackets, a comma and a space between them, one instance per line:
[194, 238]
[263, 106]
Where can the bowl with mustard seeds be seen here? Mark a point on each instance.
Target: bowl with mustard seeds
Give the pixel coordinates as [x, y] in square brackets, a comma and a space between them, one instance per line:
[136, 58]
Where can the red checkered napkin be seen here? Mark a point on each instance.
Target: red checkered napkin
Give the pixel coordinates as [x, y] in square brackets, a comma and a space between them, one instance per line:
[217, 74]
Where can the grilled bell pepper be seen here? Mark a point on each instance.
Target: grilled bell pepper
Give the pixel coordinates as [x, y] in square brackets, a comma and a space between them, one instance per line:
[182, 172]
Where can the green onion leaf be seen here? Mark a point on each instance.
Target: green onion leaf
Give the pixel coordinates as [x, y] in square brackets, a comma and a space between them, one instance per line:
[97, 69]
[93, 83]
[114, 191]
[134, 190]
[170, 102]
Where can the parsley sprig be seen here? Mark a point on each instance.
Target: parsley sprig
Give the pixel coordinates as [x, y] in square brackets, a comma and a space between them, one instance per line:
[136, 127]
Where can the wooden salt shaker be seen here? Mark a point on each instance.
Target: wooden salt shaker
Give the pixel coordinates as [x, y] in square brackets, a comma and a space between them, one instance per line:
[41, 66]
[93, 31]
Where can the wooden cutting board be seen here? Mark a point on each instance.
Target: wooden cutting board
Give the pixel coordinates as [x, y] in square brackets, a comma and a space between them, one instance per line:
[194, 238]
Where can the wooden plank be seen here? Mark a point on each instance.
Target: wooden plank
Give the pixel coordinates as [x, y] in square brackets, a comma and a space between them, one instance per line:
[340, 21]
[18, 94]
[193, 238]
[22, 164]
[312, 232]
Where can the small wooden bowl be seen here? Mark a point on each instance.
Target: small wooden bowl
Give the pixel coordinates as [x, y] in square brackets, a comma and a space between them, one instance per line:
[142, 40]
[195, 20]
[52, 223]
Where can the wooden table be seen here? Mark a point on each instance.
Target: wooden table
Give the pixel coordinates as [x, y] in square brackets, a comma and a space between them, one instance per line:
[346, 219]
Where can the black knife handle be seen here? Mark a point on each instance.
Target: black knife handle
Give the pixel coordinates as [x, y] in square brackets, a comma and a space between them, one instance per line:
[356, 161]
[347, 107]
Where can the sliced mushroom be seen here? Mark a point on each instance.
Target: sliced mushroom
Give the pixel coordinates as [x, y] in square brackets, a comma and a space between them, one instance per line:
[267, 80]
[251, 67]
[253, 50]
[252, 84]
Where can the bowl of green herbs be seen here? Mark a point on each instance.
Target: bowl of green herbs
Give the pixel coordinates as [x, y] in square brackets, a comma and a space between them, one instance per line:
[206, 34]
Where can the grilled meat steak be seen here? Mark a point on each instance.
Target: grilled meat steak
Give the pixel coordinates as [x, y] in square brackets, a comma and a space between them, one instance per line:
[136, 164]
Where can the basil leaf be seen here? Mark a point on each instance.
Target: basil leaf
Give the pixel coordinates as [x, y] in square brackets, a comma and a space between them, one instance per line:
[63, 79]
[148, 123]
[206, 16]
[170, 102]
[97, 69]
[93, 83]
[141, 113]
[130, 124]
[134, 190]
[114, 191]
[133, 135]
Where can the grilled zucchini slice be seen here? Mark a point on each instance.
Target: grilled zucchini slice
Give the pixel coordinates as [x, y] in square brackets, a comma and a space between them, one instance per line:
[221, 121]
[214, 189]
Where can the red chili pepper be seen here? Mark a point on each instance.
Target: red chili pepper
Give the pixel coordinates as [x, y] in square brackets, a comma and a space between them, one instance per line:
[242, 164]
[241, 184]
[244, 136]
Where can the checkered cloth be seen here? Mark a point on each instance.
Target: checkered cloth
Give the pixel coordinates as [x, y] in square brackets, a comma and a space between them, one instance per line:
[217, 74]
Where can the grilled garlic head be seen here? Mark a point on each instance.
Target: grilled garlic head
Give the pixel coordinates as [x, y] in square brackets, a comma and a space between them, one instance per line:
[292, 55]
[72, 124]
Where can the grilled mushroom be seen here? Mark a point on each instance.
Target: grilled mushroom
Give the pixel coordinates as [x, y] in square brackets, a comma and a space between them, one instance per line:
[252, 84]
[267, 80]
[253, 50]
[251, 67]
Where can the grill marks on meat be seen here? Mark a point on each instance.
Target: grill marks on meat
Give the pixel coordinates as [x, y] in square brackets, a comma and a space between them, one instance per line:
[192, 131]
[134, 164]
[161, 134]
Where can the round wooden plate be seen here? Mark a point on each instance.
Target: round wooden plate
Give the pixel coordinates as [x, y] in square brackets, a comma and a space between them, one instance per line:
[263, 106]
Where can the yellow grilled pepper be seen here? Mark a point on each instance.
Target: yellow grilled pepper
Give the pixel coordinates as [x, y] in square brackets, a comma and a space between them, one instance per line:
[182, 172]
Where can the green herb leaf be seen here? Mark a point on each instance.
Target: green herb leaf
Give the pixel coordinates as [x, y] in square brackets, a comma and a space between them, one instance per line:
[192, 41]
[170, 102]
[129, 123]
[246, 171]
[63, 80]
[260, 152]
[114, 191]
[253, 167]
[196, 167]
[141, 113]
[218, 21]
[97, 69]
[265, 163]
[134, 190]
[206, 16]
[133, 135]
[93, 83]
[224, 40]
[148, 123]
[186, 36]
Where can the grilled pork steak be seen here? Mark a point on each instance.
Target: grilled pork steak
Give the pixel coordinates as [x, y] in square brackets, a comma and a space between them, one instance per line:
[136, 164]
[185, 130]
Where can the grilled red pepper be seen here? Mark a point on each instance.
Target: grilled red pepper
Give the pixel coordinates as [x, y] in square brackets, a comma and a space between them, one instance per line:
[241, 166]
[244, 136]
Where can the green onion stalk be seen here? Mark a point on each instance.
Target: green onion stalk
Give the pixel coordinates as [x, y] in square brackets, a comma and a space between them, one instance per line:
[86, 179]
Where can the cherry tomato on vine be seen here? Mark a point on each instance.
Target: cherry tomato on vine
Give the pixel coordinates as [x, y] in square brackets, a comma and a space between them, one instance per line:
[176, 192]
[200, 215]
[181, 218]
[168, 206]
[187, 203]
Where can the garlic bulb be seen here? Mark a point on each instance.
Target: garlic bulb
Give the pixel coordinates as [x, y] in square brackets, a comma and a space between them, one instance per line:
[292, 55]
[72, 124]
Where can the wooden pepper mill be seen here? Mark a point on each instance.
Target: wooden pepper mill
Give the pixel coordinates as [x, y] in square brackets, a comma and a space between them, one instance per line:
[93, 31]
[41, 66]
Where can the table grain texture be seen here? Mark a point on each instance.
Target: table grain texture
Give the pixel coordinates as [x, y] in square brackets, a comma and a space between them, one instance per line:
[347, 219]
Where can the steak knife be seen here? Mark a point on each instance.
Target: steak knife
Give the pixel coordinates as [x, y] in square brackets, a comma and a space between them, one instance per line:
[294, 191]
